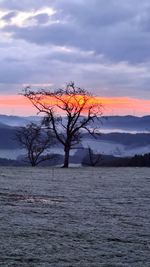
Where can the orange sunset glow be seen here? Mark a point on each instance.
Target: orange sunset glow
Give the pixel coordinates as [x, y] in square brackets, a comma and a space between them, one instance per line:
[19, 105]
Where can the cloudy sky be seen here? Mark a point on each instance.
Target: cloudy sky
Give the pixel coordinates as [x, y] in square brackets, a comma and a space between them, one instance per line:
[102, 45]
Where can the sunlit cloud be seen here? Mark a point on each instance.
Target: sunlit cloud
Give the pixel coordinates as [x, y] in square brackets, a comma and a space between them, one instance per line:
[38, 85]
[23, 18]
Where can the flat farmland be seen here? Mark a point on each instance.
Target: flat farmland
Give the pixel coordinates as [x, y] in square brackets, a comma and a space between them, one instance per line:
[74, 217]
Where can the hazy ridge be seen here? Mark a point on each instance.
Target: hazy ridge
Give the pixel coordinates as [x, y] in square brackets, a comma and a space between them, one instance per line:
[120, 136]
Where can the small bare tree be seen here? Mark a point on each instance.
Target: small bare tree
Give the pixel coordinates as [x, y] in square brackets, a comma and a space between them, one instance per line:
[94, 159]
[68, 112]
[35, 140]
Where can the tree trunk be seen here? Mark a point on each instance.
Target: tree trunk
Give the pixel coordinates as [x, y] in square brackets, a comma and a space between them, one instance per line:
[66, 157]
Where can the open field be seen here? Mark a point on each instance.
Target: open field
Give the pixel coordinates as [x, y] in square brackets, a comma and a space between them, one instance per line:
[76, 217]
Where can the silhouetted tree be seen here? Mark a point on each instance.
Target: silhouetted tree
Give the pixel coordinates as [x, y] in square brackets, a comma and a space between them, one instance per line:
[94, 159]
[68, 112]
[35, 140]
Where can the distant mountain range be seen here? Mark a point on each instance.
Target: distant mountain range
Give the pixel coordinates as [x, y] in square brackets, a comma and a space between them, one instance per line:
[120, 136]
[18, 120]
[125, 123]
[107, 123]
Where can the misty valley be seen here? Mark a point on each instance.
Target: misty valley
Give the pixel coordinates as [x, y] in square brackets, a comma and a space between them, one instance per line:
[120, 137]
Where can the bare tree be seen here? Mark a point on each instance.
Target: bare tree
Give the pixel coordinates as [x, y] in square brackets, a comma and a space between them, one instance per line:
[68, 112]
[94, 159]
[36, 141]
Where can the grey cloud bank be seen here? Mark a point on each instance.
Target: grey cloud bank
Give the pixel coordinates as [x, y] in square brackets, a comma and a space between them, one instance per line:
[99, 44]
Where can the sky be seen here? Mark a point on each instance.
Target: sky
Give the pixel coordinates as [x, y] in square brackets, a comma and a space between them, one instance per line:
[101, 45]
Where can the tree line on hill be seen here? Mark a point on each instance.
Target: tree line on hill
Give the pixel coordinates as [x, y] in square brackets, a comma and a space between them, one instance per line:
[97, 161]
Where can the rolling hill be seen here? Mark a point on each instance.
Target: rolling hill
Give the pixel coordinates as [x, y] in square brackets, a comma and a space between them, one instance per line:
[120, 136]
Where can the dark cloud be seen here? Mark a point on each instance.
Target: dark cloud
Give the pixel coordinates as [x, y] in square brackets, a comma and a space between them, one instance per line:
[111, 30]
[119, 43]
[96, 13]
[41, 18]
[9, 16]
[144, 21]
[88, 70]
[11, 72]
[57, 34]
[108, 45]
[24, 5]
